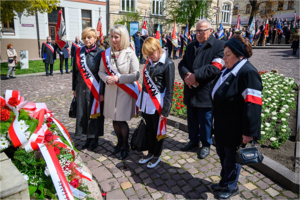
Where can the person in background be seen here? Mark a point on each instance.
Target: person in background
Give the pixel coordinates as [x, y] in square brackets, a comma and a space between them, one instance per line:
[295, 39]
[279, 36]
[262, 34]
[63, 57]
[136, 38]
[181, 42]
[161, 71]
[164, 41]
[142, 38]
[48, 55]
[11, 61]
[270, 35]
[237, 104]
[243, 33]
[247, 32]
[169, 45]
[287, 34]
[119, 105]
[193, 35]
[200, 65]
[75, 45]
[88, 121]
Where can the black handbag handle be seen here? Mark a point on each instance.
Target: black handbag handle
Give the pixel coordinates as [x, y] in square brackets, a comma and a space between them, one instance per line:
[242, 145]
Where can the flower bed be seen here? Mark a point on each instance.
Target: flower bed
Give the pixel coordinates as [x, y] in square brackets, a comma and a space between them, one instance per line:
[279, 97]
[41, 149]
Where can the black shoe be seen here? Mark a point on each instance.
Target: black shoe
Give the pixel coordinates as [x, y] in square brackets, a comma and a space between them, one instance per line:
[87, 143]
[51, 74]
[7, 77]
[61, 73]
[226, 194]
[67, 72]
[217, 187]
[47, 74]
[14, 77]
[94, 144]
[117, 149]
[189, 146]
[203, 152]
[124, 154]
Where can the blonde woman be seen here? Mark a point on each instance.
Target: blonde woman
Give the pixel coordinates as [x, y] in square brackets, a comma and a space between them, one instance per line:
[119, 69]
[160, 72]
[88, 89]
[11, 58]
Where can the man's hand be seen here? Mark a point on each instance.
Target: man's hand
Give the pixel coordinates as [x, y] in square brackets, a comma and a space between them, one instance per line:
[101, 98]
[162, 117]
[247, 139]
[190, 79]
[61, 53]
[74, 93]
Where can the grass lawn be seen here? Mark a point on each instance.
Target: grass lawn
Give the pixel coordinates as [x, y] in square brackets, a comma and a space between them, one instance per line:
[34, 67]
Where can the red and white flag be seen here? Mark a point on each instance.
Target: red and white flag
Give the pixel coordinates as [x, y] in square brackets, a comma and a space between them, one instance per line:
[238, 23]
[99, 32]
[60, 29]
[267, 29]
[295, 21]
[144, 28]
[174, 37]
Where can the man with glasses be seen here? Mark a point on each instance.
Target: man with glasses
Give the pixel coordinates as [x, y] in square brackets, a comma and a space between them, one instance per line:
[201, 63]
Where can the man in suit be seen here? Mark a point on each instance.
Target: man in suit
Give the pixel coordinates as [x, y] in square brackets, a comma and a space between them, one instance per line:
[201, 63]
[142, 39]
[64, 56]
[48, 55]
[262, 34]
[287, 34]
[169, 45]
[75, 45]
[136, 38]
[182, 44]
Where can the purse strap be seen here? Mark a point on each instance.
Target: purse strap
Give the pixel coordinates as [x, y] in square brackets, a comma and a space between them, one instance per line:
[242, 145]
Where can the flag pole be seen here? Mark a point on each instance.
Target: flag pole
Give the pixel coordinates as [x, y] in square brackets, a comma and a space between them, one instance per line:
[172, 51]
[97, 27]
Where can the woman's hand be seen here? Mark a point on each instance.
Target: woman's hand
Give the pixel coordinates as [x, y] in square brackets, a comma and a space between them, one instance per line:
[247, 139]
[116, 79]
[74, 93]
[101, 98]
[110, 80]
[162, 117]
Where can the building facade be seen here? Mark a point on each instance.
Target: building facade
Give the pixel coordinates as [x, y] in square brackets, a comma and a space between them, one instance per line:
[220, 11]
[284, 9]
[24, 32]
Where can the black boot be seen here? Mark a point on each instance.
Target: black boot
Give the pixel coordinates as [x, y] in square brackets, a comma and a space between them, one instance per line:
[124, 154]
[117, 148]
[87, 143]
[94, 144]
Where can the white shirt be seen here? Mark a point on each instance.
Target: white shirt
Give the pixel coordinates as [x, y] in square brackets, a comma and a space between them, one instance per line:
[147, 105]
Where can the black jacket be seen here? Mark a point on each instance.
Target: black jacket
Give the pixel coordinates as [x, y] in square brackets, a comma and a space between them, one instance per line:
[204, 71]
[65, 50]
[163, 76]
[233, 114]
[48, 53]
[73, 48]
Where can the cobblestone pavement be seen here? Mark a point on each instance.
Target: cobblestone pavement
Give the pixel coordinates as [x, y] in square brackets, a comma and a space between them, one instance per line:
[180, 175]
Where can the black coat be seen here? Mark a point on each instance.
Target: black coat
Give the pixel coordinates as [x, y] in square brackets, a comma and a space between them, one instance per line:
[204, 71]
[163, 76]
[73, 47]
[50, 55]
[65, 50]
[233, 114]
[84, 97]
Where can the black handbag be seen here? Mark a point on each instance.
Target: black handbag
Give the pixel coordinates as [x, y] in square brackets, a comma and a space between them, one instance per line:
[73, 108]
[10, 61]
[248, 155]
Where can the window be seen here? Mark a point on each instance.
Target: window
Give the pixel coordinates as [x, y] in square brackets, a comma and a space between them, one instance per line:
[8, 25]
[236, 9]
[52, 21]
[157, 7]
[128, 6]
[280, 5]
[248, 9]
[290, 5]
[268, 8]
[86, 18]
[225, 13]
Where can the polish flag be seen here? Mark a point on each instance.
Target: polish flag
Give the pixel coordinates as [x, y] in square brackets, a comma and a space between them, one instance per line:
[238, 23]
[267, 29]
[295, 21]
[144, 28]
[174, 37]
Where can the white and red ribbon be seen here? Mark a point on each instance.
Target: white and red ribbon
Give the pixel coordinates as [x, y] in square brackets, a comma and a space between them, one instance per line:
[218, 62]
[49, 46]
[157, 101]
[252, 96]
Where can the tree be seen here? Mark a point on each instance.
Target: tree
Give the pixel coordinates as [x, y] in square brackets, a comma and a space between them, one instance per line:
[182, 10]
[27, 7]
[129, 17]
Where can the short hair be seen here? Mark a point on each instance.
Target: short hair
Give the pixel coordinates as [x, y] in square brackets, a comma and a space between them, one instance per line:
[204, 21]
[245, 42]
[150, 45]
[9, 45]
[89, 31]
[76, 37]
[48, 37]
[123, 32]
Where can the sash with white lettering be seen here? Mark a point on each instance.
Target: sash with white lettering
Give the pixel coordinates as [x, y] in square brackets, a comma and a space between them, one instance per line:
[156, 99]
[49, 46]
[132, 89]
[90, 81]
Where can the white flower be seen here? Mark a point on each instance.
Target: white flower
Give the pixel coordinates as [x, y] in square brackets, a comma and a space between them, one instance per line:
[290, 101]
[285, 88]
[4, 144]
[27, 134]
[274, 118]
[283, 130]
[262, 115]
[286, 106]
[283, 119]
[287, 114]
[274, 113]
[268, 124]
[273, 139]
[281, 111]
[262, 132]
[261, 125]
[25, 176]
[266, 129]
[282, 99]
[47, 172]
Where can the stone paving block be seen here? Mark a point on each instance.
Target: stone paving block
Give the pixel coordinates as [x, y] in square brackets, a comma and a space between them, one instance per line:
[109, 184]
[201, 189]
[280, 197]
[242, 180]
[272, 192]
[116, 194]
[236, 197]
[247, 194]
[137, 186]
[126, 185]
[194, 195]
[162, 188]
[147, 181]
[186, 188]
[168, 197]
[207, 195]
[158, 182]
[290, 194]
[181, 161]
[252, 178]
[170, 183]
[129, 192]
[258, 192]
[151, 188]
[194, 182]
[176, 190]
[245, 173]
[262, 185]
[141, 192]
[215, 179]
[101, 174]
[156, 195]
[92, 164]
[250, 186]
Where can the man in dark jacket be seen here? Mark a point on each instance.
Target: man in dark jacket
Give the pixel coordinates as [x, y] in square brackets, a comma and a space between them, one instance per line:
[136, 38]
[75, 45]
[48, 55]
[64, 56]
[142, 39]
[169, 45]
[262, 34]
[201, 63]
[182, 44]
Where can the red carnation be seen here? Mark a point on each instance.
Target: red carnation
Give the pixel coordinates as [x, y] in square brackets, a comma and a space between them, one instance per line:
[49, 119]
[181, 100]
[181, 106]
[176, 94]
[178, 107]
[179, 83]
[49, 136]
[172, 105]
[178, 103]
[2, 102]
[181, 88]
[175, 90]
[56, 150]
[5, 115]
[176, 83]
[173, 99]
[180, 97]
[48, 125]
[74, 182]
[13, 101]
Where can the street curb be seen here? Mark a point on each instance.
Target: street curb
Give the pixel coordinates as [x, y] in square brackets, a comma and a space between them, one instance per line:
[33, 74]
[272, 169]
[270, 47]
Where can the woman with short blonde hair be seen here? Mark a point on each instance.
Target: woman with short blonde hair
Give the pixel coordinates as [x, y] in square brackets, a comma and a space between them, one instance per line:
[89, 31]
[160, 71]
[120, 71]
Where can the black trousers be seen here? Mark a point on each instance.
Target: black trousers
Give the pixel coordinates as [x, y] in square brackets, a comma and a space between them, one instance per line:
[155, 147]
[287, 38]
[51, 68]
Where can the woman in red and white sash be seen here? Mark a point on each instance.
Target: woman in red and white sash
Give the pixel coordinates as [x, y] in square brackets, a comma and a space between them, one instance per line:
[119, 68]
[158, 80]
[88, 89]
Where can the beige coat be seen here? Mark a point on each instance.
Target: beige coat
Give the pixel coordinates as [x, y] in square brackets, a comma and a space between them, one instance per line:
[10, 55]
[118, 105]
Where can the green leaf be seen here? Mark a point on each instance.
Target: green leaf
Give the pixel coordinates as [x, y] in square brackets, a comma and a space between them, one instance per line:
[41, 188]
[32, 189]
[49, 193]
[68, 156]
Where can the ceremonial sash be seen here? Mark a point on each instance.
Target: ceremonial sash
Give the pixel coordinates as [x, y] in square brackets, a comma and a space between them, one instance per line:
[164, 40]
[257, 32]
[132, 89]
[230, 35]
[77, 46]
[49, 46]
[90, 81]
[156, 99]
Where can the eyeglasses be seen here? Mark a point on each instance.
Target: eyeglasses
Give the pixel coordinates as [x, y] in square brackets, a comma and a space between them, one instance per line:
[201, 31]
